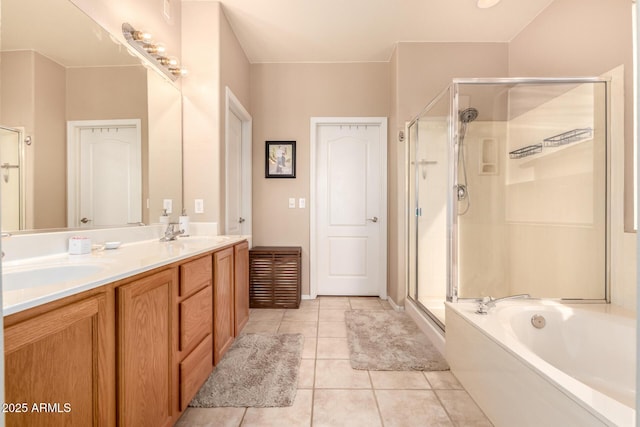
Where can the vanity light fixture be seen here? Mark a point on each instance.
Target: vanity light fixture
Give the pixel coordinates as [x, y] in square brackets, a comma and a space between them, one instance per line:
[156, 53]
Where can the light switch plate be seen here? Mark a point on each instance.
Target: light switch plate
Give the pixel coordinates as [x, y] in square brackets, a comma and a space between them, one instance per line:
[302, 203]
[292, 202]
[198, 206]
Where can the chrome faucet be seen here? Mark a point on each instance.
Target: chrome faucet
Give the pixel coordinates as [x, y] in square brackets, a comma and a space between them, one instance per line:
[171, 233]
[487, 302]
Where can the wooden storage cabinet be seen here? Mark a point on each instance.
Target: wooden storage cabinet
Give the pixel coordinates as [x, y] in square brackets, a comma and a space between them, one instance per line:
[146, 350]
[194, 371]
[195, 351]
[274, 276]
[223, 302]
[241, 288]
[60, 357]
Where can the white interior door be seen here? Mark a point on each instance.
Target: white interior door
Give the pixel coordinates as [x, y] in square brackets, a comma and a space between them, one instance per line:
[238, 167]
[350, 226]
[105, 173]
[234, 218]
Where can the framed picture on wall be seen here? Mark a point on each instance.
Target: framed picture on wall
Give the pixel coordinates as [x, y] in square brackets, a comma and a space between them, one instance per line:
[280, 159]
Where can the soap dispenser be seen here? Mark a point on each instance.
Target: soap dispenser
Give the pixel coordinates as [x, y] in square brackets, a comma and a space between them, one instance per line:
[183, 223]
[164, 218]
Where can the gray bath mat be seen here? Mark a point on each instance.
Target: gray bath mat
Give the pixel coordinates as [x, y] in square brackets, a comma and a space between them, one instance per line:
[386, 340]
[258, 371]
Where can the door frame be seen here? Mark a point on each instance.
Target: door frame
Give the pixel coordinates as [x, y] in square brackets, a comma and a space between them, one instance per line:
[234, 106]
[313, 249]
[73, 161]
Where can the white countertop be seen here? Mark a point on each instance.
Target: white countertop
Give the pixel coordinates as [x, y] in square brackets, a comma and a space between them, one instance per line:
[103, 266]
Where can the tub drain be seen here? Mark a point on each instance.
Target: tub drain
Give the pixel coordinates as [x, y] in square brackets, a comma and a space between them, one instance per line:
[538, 321]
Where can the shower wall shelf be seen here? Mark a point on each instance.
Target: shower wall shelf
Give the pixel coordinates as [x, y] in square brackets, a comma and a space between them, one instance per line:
[560, 140]
[574, 135]
[526, 151]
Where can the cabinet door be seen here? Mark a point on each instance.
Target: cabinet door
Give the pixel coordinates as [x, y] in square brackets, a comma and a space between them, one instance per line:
[57, 361]
[145, 355]
[241, 260]
[223, 303]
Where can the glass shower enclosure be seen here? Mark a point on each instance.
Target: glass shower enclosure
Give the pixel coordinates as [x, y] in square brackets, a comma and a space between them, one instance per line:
[12, 190]
[507, 184]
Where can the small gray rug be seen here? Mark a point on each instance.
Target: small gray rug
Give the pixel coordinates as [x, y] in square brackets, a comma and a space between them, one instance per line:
[385, 340]
[258, 371]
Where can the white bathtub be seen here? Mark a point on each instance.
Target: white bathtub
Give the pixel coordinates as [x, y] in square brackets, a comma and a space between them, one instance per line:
[578, 370]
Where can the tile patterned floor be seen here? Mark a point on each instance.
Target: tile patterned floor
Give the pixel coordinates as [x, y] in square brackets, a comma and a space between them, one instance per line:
[332, 394]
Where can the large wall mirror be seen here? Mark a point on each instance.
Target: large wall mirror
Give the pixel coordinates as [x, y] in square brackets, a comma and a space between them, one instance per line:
[89, 136]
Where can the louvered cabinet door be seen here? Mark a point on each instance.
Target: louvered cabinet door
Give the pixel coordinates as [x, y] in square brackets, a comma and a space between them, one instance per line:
[274, 277]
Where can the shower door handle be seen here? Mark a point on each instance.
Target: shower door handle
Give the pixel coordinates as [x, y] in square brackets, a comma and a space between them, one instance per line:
[374, 219]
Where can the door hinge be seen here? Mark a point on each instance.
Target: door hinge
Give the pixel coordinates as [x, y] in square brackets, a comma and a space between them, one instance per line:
[418, 211]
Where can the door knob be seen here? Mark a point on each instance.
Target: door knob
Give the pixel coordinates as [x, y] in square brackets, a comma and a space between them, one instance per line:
[85, 220]
[241, 220]
[374, 219]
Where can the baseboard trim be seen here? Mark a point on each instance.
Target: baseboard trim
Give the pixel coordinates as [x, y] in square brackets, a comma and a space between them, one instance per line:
[393, 304]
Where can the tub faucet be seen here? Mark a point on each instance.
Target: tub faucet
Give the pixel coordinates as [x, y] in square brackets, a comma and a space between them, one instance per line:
[487, 302]
[171, 233]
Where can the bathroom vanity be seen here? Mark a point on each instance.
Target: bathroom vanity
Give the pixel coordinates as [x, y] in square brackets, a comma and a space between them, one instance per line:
[132, 351]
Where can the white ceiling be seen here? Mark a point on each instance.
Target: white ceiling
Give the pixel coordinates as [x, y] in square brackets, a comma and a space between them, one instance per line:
[281, 30]
[367, 30]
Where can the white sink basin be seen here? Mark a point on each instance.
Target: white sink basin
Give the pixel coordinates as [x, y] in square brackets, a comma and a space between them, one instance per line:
[43, 276]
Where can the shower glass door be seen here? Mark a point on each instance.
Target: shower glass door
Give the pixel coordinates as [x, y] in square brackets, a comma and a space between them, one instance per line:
[11, 179]
[429, 177]
[534, 215]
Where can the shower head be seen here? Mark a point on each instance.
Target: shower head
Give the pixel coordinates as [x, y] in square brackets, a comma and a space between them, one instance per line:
[468, 115]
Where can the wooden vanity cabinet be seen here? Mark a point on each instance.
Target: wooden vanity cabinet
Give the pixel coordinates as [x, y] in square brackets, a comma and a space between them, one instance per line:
[58, 364]
[241, 286]
[145, 350]
[195, 335]
[130, 353]
[223, 302]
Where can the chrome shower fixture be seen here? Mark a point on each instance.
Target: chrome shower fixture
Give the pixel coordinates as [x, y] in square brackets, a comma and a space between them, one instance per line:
[468, 115]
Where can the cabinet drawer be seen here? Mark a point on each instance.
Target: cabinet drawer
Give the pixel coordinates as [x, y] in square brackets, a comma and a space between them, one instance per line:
[196, 318]
[194, 371]
[195, 275]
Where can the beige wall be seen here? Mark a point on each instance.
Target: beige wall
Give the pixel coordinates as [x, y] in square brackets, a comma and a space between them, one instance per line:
[165, 145]
[284, 97]
[201, 108]
[212, 51]
[234, 74]
[50, 165]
